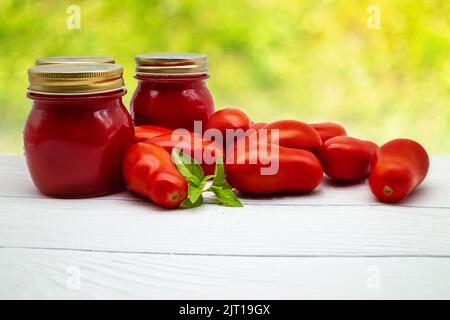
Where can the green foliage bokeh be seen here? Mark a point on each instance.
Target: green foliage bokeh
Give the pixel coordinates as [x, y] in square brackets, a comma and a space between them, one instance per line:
[306, 60]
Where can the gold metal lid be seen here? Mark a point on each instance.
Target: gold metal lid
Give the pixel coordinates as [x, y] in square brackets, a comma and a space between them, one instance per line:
[75, 79]
[172, 64]
[73, 60]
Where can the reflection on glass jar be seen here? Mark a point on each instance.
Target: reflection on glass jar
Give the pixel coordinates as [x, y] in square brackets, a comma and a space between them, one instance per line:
[78, 129]
[171, 90]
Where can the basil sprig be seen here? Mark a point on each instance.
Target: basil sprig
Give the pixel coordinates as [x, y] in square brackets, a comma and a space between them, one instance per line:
[196, 179]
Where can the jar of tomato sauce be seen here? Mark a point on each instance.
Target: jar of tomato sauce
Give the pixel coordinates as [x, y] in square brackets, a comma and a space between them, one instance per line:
[171, 90]
[78, 130]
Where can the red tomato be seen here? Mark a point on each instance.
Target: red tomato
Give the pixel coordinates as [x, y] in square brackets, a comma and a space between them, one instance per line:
[328, 130]
[231, 119]
[203, 151]
[258, 125]
[397, 169]
[346, 159]
[293, 134]
[143, 133]
[292, 170]
[148, 170]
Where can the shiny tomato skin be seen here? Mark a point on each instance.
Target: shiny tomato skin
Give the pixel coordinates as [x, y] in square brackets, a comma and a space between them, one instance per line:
[168, 189]
[293, 134]
[193, 146]
[148, 171]
[328, 130]
[143, 133]
[346, 158]
[398, 168]
[258, 125]
[299, 171]
[228, 118]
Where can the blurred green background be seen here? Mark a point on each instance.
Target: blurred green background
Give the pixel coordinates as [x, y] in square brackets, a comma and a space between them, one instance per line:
[307, 60]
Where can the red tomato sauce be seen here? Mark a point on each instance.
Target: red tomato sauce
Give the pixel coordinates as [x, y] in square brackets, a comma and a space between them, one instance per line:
[75, 144]
[171, 101]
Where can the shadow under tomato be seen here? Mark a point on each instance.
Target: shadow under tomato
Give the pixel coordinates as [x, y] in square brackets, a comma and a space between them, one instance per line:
[139, 200]
[277, 196]
[342, 184]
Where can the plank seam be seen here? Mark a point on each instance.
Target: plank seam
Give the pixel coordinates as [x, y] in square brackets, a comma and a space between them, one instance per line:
[271, 204]
[227, 254]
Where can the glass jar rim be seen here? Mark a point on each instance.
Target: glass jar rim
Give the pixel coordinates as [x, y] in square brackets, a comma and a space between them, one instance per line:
[75, 78]
[34, 95]
[176, 64]
[170, 77]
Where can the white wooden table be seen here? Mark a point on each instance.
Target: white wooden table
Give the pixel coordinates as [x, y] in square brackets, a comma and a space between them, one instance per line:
[337, 242]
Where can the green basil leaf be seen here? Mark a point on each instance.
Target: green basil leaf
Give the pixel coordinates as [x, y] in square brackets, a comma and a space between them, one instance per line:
[226, 197]
[207, 178]
[194, 192]
[187, 203]
[193, 173]
[219, 173]
[188, 167]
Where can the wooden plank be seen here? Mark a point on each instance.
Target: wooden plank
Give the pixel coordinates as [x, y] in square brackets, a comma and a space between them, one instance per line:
[127, 248]
[50, 274]
[131, 226]
[434, 192]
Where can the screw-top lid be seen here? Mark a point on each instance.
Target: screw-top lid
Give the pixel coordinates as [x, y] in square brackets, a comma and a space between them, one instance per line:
[75, 79]
[73, 60]
[172, 64]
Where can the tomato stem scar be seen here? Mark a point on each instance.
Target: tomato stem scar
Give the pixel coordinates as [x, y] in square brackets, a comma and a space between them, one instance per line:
[387, 190]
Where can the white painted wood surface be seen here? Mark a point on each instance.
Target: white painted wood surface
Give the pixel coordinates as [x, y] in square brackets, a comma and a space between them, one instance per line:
[337, 242]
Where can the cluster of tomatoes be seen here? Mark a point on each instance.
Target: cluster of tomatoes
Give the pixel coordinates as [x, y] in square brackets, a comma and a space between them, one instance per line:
[299, 155]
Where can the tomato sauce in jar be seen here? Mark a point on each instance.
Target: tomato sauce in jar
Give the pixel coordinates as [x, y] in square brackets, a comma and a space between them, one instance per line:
[78, 129]
[171, 90]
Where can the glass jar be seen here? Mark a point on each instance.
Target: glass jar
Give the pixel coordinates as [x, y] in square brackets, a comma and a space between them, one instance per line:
[171, 90]
[78, 130]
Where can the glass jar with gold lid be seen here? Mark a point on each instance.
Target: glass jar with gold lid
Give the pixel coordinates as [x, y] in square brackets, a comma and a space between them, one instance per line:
[171, 90]
[78, 129]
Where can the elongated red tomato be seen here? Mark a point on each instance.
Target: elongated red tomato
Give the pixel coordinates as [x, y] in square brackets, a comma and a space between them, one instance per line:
[346, 159]
[267, 168]
[203, 151]
[143, 133]
[230, 119]
[328, 130]
[398, 168]
[148, 170]
[293, 134]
